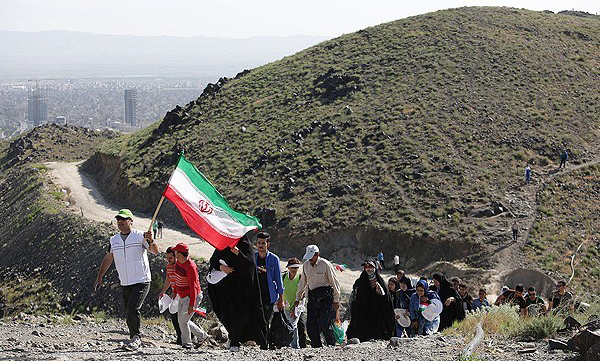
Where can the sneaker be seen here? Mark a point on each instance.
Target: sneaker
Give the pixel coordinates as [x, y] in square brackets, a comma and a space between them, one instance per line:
[187, 346]
[234, 348]
[200, 342]
[135, 344]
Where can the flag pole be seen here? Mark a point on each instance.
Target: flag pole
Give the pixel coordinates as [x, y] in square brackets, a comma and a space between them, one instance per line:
[162, 198]
[156, 212]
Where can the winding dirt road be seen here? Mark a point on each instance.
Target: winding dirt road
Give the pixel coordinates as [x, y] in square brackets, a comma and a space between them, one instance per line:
[85, 197]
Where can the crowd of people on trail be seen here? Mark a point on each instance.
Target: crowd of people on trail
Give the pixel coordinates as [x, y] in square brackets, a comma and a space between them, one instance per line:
[256, 301]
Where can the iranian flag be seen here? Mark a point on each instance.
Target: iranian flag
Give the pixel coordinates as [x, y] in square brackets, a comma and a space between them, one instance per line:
[204, 209]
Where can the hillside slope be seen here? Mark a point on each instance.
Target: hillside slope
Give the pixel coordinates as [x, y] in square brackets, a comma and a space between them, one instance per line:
[410, 136]
[50, 255]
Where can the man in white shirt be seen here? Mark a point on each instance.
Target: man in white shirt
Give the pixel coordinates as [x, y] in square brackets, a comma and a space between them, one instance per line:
[128, 249]
[323, 296]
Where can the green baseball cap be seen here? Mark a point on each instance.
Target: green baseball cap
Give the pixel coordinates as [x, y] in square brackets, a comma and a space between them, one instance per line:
[124, 213]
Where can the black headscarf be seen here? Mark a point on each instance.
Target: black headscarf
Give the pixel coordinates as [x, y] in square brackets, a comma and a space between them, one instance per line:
[454, 311]
[236, 298]
[403, 297]
[372, 315]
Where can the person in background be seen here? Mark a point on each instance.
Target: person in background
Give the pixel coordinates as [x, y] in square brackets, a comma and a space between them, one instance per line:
[418, 302]
[561, 299]
[467, 299]
[515, 231]
[534, 303]
[129, 250]
[563, 159]
[187, 287]
[527, 174]
[396, 262]
[401, 276]
[160, 228]
[403, 296]
[453, 309]
[323, 287]
[154, 227]
[481, 301]
[291, 278]
[455, 283]
[372, 310]
[170, 282]
[380, 260]
[269, 275]
[514, 297]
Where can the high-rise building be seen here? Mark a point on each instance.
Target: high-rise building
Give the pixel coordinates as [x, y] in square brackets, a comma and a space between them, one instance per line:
[37, 105]
[131, 107]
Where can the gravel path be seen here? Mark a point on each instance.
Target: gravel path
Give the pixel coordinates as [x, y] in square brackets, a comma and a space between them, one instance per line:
[49, 338]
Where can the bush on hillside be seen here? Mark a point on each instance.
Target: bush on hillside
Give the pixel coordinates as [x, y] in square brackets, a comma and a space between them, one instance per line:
[505, 320]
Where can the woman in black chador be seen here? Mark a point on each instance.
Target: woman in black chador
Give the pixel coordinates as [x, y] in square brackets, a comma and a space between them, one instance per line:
[236, 298]
[372, 312]
[453, 309]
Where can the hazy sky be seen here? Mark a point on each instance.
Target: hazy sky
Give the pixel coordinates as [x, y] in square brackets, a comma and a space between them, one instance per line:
[235, 18]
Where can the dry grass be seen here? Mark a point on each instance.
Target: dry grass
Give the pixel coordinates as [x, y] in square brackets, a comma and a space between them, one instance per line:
[505, 321]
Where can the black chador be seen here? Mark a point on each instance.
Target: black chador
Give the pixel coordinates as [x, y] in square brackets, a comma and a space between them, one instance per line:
[372, 315]
[236, 298]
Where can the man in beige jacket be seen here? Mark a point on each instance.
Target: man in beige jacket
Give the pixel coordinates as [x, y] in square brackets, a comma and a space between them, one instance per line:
[323, 296]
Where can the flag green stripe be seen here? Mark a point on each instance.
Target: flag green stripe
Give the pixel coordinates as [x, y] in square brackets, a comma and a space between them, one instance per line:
[204, 186]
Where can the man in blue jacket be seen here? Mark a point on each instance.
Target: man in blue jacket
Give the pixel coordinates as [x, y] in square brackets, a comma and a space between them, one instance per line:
[269, 275]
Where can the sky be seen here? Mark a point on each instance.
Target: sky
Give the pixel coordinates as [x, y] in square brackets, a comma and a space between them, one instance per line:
[236, 18]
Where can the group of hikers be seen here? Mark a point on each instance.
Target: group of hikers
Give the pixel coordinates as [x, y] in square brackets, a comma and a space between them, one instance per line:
[255, 301]
[564, 156]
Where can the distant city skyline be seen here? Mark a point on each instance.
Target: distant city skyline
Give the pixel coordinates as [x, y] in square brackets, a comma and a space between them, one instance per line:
[235, 18]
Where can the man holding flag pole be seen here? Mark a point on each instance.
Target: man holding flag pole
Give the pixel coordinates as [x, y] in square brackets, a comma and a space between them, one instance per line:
[128, 249]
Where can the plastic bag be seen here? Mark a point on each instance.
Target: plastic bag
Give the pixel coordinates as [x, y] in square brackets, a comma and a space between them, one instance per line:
[338, 332]
[281, 331]
[174, 305]
[164, 303]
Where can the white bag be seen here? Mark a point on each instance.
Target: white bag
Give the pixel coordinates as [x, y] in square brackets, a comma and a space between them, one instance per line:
[174, 305]
[164, 303]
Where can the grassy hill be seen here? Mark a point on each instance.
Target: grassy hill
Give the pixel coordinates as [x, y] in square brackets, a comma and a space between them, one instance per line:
[50, 254]
[411, 135]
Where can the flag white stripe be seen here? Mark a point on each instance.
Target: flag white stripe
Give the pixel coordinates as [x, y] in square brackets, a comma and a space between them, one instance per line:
[218, 219]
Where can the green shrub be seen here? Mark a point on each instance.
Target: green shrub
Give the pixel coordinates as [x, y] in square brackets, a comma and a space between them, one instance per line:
[537, 328]
[505, 320]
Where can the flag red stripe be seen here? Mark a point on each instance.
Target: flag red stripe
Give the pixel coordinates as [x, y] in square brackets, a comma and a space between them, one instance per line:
[197, 224]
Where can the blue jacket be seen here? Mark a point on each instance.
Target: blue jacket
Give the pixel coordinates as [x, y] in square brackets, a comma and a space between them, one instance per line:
[273, 275]
[414, 300]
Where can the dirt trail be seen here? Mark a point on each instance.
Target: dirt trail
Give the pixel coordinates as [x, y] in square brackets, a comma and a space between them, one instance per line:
[85, 197]
[509, 256]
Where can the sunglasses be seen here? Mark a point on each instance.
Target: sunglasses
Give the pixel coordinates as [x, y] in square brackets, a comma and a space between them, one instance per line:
[122, 219]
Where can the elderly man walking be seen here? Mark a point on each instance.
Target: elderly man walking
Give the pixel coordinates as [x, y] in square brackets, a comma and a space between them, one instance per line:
[323, 296]
[128, 249]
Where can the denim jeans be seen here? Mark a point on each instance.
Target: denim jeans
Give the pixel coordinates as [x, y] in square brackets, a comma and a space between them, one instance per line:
[428, 327]
[185, 322]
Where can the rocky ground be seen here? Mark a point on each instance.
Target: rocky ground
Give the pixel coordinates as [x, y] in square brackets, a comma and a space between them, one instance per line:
[82, 338]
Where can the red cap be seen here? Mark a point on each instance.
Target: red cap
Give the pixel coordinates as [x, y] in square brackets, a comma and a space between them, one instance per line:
[181, 247]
